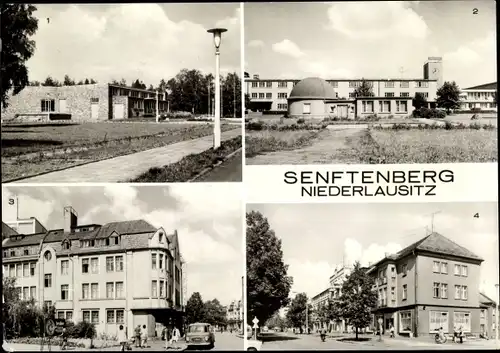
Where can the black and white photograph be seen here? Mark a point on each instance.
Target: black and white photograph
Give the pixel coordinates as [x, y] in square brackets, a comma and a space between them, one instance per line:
[148, 268]
[121, 93]
[378, 82]
[372, 276]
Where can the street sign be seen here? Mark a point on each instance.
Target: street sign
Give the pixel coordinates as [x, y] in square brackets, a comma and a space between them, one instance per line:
[255, 326]
[60, 324]
[255, 321]
[50, 327]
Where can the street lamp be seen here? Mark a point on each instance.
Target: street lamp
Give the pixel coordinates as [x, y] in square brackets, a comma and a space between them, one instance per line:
[217, 32]
[157, 107]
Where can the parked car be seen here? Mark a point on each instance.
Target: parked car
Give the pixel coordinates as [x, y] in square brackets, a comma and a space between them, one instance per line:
[253, 345]
[200, 334]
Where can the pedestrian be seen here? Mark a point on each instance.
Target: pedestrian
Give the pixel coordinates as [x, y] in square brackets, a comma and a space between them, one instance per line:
[122, 338]
[175, 337]
[144, 337]
[138, 336]
[391, 329]
[168, 337]
[461, 334]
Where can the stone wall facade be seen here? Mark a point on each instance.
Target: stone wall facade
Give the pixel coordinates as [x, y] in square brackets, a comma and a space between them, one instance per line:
[75, 100]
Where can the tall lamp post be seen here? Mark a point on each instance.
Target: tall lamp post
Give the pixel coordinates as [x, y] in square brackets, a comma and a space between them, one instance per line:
[217, 32]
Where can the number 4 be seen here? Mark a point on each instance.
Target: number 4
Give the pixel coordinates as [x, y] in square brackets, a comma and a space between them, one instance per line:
[476, 215]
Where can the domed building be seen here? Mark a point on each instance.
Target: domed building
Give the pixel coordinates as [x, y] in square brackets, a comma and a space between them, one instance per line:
[313, 97]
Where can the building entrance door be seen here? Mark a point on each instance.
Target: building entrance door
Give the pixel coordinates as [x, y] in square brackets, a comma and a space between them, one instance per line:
[63, 108]
[94, 111]
[118, 111]
[342, 111]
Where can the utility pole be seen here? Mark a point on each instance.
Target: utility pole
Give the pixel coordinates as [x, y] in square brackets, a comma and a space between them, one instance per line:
[209, 98]
[234, 95]
[157, 107]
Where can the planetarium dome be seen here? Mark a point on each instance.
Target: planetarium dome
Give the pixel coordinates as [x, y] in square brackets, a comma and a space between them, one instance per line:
[312, 88]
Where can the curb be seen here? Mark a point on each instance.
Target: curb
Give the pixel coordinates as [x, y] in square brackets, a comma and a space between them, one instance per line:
[212, 167]
[84, 163]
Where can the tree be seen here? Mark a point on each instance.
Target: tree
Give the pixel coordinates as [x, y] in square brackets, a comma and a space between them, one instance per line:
[194, 309]
[419, 100]
[448, 96]
[364, 90]
[123, 82]
[277, 321]
[328, 312]
[80, 82]
[87, 81]
[50, 82]
[115, 82]
[357, 299]
[268, 284]
[92, 81]
[297, 312]
[231, 89]
[18, 26]
[68, 81]
[214, 313]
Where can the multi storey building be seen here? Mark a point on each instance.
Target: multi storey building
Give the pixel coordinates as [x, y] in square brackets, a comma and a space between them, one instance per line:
[487, 324]
[479, 97]
[272, 95]
[234, 315]
[125, 272]
[94, 102]
[430, 284]
[317, 302]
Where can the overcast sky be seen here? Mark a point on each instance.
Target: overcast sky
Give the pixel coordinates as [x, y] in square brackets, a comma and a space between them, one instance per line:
[316, 237]
[145, 41]
[371, 39]
[208, 218]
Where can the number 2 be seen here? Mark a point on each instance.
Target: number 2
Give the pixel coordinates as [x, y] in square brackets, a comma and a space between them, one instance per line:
[475, 11]
[476, 215]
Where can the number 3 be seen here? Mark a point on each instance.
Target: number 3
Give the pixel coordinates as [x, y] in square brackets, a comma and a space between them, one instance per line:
[475, 11]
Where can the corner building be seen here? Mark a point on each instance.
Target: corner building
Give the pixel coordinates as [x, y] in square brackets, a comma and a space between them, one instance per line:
[127, 272]
[430, 284]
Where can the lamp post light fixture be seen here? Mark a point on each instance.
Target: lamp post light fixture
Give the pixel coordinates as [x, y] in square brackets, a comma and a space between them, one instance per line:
[217, 32]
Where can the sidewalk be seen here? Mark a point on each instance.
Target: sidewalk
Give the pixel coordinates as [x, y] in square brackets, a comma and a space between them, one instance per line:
[124, 168]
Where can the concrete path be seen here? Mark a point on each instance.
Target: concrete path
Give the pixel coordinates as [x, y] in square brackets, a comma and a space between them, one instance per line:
[330, 148]
[124, 168]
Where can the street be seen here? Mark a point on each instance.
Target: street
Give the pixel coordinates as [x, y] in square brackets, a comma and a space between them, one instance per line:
[290, 341]
[223, 342]
[229, 171]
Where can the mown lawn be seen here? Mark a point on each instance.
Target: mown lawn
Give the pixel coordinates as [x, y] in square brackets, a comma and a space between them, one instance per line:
[33, 149]
[259, 142]
[430, 146]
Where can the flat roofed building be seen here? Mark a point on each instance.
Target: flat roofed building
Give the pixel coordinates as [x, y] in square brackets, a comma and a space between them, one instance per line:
[83, 103]
[127, 272]
[272, 95]
[430, 284]
[480, 97]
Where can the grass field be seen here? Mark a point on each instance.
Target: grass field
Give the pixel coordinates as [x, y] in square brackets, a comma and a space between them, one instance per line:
[429, 146]
[191, 165]
[258, 142]
[44, 148]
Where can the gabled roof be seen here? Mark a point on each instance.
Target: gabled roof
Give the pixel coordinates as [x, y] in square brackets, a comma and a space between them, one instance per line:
[439, 244]
[127, 227]
[433, 243]
[23, 240]
[7, 231]
[484, 299]
[492, 85]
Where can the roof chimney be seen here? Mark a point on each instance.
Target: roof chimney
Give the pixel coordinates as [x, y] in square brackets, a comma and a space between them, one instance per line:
[70, 219]
[255, 77]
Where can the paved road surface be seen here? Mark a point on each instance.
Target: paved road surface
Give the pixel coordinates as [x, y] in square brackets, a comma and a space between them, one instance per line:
[127, 167]
[313, 342]
[230, 171]
[223, 342]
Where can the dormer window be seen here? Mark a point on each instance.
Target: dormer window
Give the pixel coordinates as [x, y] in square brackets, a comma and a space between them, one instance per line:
[107, 241]
[161, 237]
[12, 253]
[66, 245]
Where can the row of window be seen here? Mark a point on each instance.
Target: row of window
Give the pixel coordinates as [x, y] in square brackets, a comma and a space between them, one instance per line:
[352, 84]
[91, 265]
[26, 293]
[480, 95]
[90, 243]
[155, 293]
[113, 316]
[440, 291]
[442, 267]
[49, 105]
[26, 269]
[282, 106]
[401, 107]
[437, 319]
[283, 95]
[32, 250]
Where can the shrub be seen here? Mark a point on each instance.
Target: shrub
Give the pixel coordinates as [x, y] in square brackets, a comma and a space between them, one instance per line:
[426, 113]
[82, 329]
[177, 115]
[372, 117]
[301, 121]
[255, 126]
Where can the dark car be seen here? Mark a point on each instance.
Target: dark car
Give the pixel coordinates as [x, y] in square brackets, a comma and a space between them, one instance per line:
[200, 334]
